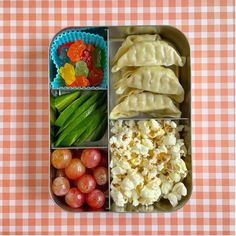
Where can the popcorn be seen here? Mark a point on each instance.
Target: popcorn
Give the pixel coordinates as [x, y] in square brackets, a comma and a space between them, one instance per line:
[178, 191]
[118, 198]
[146, 162]
[166, 187]
[173, 199]
[169, 139]
[148, 143]
[149, 195]
[127, 184]
[118, 171]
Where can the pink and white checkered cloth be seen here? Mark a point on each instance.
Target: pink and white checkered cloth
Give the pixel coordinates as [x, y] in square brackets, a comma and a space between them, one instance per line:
[26, 28]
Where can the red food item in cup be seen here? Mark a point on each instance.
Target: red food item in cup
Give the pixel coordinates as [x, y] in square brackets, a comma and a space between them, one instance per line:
[95, 76]
[90, 157]
[75, 50]
[90, 47]
[87, 58]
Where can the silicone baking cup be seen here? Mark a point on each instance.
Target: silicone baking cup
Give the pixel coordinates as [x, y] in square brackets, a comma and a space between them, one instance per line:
[72, 36]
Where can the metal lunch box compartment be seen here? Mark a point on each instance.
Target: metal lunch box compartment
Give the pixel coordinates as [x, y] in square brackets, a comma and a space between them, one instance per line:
[114, 36]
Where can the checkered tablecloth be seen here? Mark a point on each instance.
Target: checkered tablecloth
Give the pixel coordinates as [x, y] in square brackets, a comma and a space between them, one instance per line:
[26, 28]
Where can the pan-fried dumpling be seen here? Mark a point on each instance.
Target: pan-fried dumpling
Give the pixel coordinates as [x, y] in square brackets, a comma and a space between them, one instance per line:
[146, 102]
[130, 40]
[128, 92]
[149, 53]
[156, 79]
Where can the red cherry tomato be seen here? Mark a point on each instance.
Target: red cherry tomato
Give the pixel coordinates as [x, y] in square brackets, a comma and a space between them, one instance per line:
[91, 157]
[60, 186]
[75, 50]
[90, 47]
[95, 76]
[86, 183]
[95, 199]
[74, 198]
[61, 158]
[101, 175]
[75, 169]
[87, 58]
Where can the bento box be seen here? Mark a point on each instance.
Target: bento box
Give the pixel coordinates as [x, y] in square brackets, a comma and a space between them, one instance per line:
[120, 119]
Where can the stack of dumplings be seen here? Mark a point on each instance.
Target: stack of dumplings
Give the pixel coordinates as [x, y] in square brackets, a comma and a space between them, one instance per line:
[145, 84]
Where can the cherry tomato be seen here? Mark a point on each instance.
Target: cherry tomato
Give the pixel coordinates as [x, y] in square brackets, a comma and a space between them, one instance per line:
[61, 158]
[104, 160]
[60, 173]
[95, 199]
[101, 175]
[90, 47]
[74, 198]
[75, 169]
[75, 50]
[60, 186]
[95, 76]
[91, 157]
[87, 57]
[86, 183]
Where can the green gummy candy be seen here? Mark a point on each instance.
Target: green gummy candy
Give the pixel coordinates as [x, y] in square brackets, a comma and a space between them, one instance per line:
[81, 69]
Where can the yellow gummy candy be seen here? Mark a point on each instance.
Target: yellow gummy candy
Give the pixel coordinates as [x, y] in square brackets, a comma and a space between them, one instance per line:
[67, 72]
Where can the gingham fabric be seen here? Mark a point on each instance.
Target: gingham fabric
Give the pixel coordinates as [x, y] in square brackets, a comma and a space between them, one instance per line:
[26, 28]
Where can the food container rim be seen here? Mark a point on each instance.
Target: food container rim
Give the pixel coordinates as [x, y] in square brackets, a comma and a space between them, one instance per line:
[177, 208]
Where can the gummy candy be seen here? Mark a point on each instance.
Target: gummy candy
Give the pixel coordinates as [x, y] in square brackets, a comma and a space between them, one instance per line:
[90, 47]
[86, 57]
[67, 72]
[81, 69]
[76, 50]
[95, 76]
[80, 81]
[97, 58]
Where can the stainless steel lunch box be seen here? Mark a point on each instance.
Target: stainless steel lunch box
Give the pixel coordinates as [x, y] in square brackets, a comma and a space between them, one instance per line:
[115, 35]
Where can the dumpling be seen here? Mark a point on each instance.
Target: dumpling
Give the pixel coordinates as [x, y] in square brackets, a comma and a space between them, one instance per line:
[128, 92]
[130, 40]
[149, 53]
[160, 105]
[156, 79]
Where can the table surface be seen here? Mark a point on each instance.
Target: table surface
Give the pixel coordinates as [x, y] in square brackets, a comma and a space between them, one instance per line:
[26, 28]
